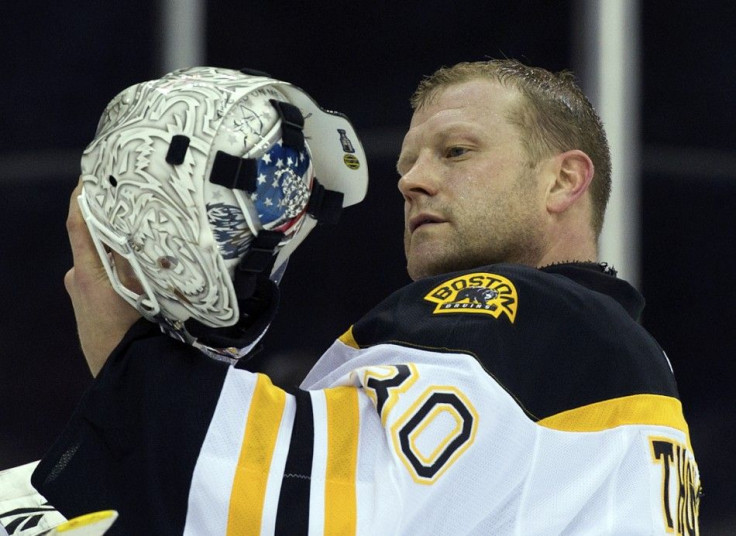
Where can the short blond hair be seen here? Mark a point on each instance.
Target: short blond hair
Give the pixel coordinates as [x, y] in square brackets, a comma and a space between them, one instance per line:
[555, 115]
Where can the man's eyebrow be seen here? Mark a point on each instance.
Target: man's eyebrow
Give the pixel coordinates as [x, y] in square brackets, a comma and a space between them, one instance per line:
[461, 131]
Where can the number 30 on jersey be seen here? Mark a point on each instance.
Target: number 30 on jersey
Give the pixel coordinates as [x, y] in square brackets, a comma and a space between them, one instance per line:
[434, 431]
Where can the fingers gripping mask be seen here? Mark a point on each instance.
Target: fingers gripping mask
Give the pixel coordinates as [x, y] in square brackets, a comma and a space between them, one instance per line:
[200, 183]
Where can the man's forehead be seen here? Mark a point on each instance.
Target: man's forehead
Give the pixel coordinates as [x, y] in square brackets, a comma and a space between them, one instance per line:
[471, 93]
[477, 103]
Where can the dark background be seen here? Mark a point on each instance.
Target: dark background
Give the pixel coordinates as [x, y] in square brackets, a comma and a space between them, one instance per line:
[64, 61]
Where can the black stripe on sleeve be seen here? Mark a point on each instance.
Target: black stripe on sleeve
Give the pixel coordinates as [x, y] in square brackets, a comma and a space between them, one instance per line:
[292, 516]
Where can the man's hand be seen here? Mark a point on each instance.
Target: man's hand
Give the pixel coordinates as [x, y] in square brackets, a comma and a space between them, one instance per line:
[103, 317]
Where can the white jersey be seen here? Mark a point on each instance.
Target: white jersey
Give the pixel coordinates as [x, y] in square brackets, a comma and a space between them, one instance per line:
[503, 400]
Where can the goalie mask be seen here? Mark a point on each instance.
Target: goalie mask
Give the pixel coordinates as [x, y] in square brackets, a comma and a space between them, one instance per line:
[204, 180]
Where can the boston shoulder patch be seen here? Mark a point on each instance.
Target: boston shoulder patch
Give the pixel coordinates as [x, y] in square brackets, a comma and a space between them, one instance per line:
[480, 292]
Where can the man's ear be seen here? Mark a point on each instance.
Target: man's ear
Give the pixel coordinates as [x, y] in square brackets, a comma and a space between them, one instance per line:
[572, 172]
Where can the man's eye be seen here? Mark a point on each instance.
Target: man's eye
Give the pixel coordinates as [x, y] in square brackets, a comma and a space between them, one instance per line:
[454, 152]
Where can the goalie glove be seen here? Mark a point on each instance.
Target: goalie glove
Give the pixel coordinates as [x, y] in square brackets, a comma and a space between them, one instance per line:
[24, 512]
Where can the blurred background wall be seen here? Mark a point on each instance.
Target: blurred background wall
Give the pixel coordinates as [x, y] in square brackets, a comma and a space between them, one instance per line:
[63, 61]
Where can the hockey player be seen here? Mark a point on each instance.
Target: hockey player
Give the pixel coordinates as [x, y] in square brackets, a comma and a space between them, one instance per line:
[508, 390]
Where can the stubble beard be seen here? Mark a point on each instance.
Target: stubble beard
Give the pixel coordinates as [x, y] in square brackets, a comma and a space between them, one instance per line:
[509, 232]
[472, 251]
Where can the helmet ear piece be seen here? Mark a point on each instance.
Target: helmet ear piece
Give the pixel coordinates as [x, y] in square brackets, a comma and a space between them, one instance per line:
[254, 72]
[177, 149]
[234, 172]
[325, 206]
[292, 124]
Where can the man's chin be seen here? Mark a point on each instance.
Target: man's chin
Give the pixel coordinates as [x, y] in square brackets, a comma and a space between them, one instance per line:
[422, 268]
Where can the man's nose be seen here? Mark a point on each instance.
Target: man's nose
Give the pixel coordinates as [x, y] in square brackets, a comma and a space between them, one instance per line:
[420, 179]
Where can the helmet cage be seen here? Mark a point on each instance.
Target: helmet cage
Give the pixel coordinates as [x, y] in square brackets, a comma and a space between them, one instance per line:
[146, 303]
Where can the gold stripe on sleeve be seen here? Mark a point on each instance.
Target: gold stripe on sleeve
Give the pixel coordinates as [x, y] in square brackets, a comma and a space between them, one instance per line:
[342, 458]
[654, 410]
[348, 340]
[251, 475]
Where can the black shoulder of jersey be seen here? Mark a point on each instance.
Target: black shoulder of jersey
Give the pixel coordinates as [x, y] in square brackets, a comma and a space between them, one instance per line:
[556, 338]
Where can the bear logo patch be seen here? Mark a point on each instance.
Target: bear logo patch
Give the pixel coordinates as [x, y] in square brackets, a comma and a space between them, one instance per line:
[481, 293]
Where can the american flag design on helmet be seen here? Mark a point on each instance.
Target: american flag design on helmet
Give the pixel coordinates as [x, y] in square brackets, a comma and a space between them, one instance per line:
[281, 195]
[282, 189]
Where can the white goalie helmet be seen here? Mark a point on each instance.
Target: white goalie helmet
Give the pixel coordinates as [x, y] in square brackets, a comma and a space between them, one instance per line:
[208, 173]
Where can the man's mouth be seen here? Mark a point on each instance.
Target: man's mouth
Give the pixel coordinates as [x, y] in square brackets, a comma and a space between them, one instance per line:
[423, 219]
